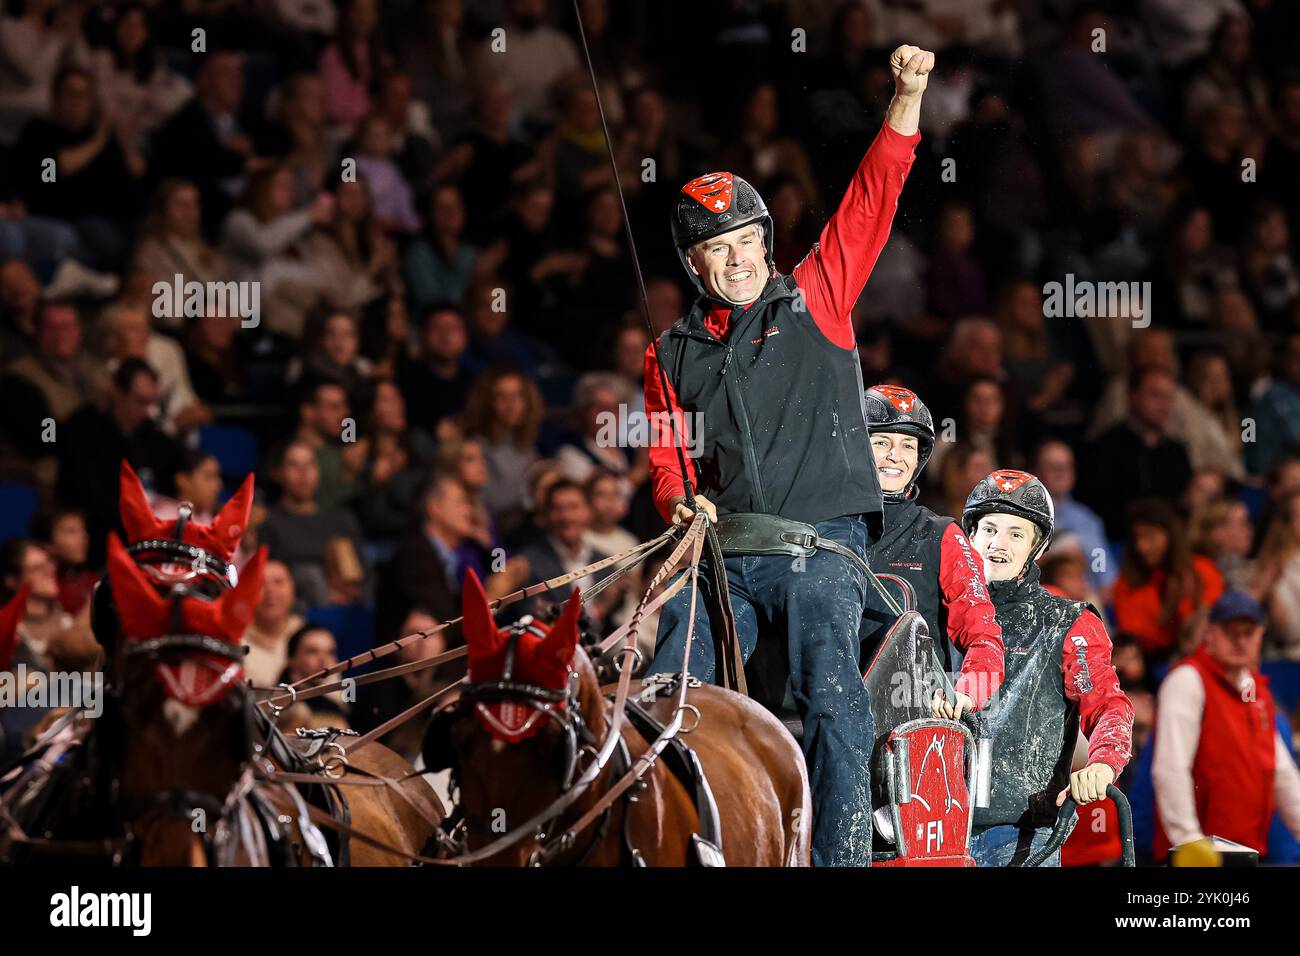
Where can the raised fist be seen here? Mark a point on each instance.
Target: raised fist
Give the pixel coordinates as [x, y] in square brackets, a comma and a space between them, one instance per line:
[911, 67]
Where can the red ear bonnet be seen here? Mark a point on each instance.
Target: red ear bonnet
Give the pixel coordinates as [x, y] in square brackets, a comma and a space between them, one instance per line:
[541, 661]
[146, 613]
[220, 538]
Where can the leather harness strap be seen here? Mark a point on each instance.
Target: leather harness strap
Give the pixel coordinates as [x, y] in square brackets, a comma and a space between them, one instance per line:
[726, 639]
[377, 732]
[620, 633]
[646, 761]
[363, 778]
[755, 533]
[279, 693]
[685, 765]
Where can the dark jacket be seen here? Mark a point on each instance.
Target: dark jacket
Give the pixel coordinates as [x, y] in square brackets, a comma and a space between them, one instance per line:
[1124, 469]
[91, 448]
[545, 563]
[414, 577]
[781, 410]
[1034, 723]
[931, 554]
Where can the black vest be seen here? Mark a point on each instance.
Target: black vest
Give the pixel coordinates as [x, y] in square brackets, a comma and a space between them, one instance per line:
[1034, 725]
[911, 548]
[784, 431]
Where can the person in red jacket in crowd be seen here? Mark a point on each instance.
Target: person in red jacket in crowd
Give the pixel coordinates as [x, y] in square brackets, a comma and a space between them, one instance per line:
[929, 552]
[1220, 767]
[1059, 679]
[1162, 585]
[767, 365]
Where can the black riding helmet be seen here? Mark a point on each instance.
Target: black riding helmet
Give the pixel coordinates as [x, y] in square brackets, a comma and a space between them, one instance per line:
[891, 408]
[1011, 492]
[713, 204]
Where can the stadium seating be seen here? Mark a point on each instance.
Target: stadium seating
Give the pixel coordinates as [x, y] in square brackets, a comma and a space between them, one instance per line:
[17, 505]
[235, 447]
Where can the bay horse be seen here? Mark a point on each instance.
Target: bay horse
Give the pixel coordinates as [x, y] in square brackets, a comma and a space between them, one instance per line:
[402, 815]
[189, 729]
[532, 707]
[167, 775]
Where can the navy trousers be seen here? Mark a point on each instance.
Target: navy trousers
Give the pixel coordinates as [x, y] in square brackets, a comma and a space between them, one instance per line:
[814, 605]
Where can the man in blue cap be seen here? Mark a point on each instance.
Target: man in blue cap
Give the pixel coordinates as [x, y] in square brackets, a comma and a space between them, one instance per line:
[1220, 767]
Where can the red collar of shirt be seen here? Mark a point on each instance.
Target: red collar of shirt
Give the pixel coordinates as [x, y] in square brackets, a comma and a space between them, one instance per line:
[715, 319]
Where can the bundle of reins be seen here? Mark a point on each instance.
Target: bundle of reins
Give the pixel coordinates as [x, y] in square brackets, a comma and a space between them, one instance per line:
[309, 687]
[622, 641]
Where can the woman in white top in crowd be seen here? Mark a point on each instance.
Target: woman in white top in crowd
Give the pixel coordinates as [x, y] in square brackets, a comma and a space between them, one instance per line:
[261, 237]
[137, 91]
[1280, 555]
[355, 262]
[173, 244]
[504, 412]
[1213, 435]
[274, 622]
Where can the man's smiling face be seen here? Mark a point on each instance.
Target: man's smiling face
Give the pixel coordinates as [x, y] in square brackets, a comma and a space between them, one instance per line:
[732, 266]
[1004, 542]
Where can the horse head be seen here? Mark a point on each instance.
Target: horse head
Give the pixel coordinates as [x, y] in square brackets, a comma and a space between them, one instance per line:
[173, 552]
[180, 549]
[186, 733]
[530, 705]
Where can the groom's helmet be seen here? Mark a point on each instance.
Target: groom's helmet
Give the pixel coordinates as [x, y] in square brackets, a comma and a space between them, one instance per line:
[1011, 492]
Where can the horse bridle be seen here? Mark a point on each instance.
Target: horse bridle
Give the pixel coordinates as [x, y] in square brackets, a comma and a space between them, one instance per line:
[203, 564]
[180, 803]
[561, 707]
[204, 567]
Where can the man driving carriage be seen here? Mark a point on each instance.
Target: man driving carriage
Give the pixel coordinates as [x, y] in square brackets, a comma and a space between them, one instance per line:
[1059, 679]
[768, 362]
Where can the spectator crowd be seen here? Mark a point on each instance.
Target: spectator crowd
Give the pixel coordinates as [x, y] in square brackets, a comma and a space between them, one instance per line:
[449, 319]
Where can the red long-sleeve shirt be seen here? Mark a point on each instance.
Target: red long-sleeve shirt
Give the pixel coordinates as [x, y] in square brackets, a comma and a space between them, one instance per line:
[972, 619]
[831, 277]
[1105, 713]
